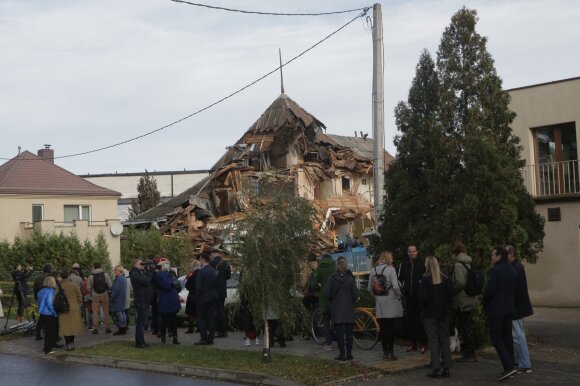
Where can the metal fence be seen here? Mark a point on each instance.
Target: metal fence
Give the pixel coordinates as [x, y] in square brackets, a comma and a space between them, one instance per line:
[552, 178]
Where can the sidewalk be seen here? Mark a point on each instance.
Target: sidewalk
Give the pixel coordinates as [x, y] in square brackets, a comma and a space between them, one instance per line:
[553, 335]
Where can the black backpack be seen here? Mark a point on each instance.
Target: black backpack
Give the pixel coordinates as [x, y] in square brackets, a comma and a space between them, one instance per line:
[475, 280]
[379, 284]
[100, 283]
[61, 304]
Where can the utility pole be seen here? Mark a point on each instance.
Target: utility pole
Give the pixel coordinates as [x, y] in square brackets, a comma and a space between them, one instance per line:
[378, 115]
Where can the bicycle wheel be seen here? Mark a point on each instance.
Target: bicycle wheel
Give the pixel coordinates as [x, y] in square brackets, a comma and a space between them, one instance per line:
[317, 326]
[365, 329]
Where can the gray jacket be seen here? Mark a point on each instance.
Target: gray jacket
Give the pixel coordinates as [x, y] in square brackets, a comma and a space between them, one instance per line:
[461, 301]
[388, 306]
[341, 293]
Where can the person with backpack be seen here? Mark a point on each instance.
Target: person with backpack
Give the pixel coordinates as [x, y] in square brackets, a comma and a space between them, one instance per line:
[47, 314]
[388, 305]
[38, 285]
[70, 322]
[99, 282]
[463, 304]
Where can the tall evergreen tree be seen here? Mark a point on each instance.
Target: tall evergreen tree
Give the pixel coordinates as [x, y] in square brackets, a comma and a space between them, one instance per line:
[147, 196]
[463, 161]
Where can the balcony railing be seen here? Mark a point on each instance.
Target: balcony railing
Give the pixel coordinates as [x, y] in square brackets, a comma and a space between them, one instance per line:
[552, 179]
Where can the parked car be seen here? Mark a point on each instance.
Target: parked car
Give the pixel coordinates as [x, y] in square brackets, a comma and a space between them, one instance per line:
[232, 290]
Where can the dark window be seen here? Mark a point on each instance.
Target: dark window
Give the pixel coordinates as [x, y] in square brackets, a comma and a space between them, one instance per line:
[37, 213]
[346, 184]
[554, 214]
[557, 159]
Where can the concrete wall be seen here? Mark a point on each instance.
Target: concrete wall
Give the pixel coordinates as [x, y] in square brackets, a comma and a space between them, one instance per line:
[17, 218]
[554, 279]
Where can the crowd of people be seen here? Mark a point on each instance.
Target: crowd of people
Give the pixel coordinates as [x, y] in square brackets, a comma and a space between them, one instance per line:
[431, 302]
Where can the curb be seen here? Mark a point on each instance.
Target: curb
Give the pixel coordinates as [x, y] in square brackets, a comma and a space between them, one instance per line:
[184, 370]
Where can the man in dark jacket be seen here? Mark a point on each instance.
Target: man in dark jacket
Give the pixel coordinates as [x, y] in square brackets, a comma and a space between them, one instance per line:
[326, 268]
[224, 273]
[498, 303]
[207, 297]
[410, 272]
[142, 294]
[523, 308]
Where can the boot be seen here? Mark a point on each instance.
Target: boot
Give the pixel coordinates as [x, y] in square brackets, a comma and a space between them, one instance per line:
[119, 331]
[175, 341]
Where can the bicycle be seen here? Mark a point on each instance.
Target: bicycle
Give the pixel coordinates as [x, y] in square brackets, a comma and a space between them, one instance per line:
[365, 328]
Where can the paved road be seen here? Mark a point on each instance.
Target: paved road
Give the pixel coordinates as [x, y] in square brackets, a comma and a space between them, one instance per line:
[22, 371]
[554, 336]
[554, 344]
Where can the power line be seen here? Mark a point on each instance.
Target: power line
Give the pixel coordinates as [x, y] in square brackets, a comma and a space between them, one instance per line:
[362, 14]
[269, 13]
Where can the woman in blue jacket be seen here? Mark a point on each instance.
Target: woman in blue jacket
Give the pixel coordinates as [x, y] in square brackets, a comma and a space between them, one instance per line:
[168, 301]
[118, 301]
[48, 316]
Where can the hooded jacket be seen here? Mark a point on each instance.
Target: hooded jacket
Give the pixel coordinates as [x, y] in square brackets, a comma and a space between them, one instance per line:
[326, 268]
[341, 293]
[462, 301]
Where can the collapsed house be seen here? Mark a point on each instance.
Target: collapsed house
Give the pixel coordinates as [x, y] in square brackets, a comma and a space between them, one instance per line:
[285, 151]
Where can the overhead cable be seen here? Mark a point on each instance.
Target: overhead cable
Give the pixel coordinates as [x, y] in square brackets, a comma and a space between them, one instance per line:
[269, 13]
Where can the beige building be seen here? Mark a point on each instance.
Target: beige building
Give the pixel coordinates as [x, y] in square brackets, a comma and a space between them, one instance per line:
[37, 194]
[548, 116]
[169, 183]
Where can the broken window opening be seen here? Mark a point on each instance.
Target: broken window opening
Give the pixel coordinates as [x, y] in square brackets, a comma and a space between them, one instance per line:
[345, 184]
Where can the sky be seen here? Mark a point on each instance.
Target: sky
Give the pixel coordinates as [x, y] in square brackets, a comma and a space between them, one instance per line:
[82, 75]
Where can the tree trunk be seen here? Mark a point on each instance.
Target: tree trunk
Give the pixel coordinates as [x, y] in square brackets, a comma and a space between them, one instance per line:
[266, 358]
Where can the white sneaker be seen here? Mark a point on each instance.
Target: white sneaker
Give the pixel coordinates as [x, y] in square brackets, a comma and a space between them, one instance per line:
[247, 342]
[257, 342]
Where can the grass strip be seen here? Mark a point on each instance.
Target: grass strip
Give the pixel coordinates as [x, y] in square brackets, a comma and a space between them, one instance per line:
[305, 370]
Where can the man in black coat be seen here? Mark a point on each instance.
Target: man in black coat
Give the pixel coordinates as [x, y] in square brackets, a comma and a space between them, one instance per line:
[142, 294]
[498, 302]
[523, 308]
[410, 272]
[207, 297]
[224, 273]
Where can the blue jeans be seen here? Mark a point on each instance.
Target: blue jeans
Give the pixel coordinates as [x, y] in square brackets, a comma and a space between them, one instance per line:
[121, 319]
[521, 344]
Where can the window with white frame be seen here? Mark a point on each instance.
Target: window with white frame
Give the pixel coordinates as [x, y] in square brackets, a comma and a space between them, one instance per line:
[76, 212]
[37, 212]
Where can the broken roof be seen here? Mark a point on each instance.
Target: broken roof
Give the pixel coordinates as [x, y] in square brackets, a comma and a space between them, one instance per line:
[29, 174]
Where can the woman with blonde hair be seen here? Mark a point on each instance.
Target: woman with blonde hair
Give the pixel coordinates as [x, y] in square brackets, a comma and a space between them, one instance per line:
[436, 295]
[388, 305]
[48, 316]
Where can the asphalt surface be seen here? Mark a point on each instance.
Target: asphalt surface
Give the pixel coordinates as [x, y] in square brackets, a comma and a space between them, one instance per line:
[554, 346]
[21, 371]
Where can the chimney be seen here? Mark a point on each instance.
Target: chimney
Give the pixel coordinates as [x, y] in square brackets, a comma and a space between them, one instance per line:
[46, 154]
